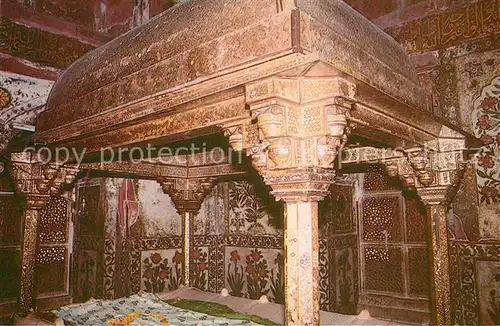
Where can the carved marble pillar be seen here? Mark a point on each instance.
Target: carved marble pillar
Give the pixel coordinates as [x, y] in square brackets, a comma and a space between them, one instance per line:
[437, 212]
[435, 175]
[298, 126]
[35, 183]
[301, 262]
[187, 196]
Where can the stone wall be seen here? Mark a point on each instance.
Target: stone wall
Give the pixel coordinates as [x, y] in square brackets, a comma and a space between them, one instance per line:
[237, 243]
[455, 48]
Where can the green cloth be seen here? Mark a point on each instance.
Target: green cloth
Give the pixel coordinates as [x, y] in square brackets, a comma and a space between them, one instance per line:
[217, 310]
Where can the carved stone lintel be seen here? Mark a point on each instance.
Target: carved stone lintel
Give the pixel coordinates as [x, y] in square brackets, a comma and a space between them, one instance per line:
[428, 172]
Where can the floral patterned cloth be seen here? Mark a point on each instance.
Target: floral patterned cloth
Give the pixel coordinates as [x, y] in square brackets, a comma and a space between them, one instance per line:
[140, 309]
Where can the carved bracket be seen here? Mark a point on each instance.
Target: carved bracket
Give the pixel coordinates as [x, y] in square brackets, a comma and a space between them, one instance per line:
[435, 175]
[187, 194]
[297, 128]
[38, 181]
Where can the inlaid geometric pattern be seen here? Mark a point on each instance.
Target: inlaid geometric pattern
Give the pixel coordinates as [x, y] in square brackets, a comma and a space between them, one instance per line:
[418, 263]
[381, 219]
[415, 221]
[383, 269]
[52, 225]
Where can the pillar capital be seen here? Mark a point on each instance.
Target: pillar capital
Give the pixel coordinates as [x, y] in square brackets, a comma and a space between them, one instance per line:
[297, 127]
[187, 194]
[299, 185]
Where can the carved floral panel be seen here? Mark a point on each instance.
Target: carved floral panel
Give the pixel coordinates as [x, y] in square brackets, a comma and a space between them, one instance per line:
[251, 273]
[161, 270]
[251, 211]
[199, 268]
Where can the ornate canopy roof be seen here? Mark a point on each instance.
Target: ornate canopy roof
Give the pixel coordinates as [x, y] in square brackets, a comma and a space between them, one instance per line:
[202, 53]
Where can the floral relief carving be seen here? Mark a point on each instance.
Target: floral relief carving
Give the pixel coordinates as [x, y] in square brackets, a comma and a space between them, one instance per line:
[235, 277]
[247, 212]
[251, 272]
[155, 273]
[176, 279]
[486, 119]
[158, 275]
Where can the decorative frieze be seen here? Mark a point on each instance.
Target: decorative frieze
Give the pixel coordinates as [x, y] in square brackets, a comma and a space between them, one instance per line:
[448, 28]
